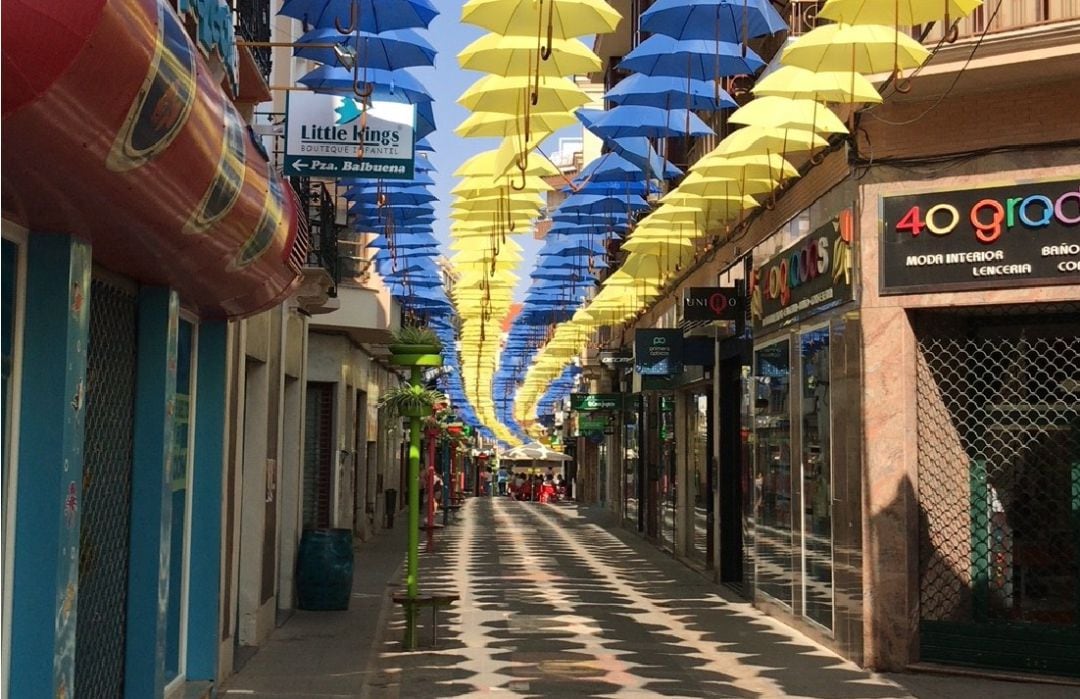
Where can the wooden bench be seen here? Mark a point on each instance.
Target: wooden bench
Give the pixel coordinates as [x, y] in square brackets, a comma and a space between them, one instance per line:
[436, 602]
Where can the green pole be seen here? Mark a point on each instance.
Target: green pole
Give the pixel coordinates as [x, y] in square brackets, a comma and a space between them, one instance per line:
[414, 519]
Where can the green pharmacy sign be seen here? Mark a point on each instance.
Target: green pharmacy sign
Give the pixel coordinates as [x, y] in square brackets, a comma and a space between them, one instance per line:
[592, 402]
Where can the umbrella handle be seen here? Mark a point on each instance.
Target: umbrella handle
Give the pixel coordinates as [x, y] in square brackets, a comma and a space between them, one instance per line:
[545, 53]
[900, 83]
[354, 19]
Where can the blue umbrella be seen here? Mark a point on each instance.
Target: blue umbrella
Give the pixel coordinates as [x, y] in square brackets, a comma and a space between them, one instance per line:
[420, 178]
[412, 198]
[423, 146]
[695, 58]
[587, 186]
[633, 120]
[718, 20]
[636, 150]
[366, 15]
[600, 203]
[401, 48]
[425, 120]
[389, 85]
[421, 163]
[670, 92]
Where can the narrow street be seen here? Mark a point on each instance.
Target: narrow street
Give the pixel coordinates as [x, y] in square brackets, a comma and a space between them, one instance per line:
[554, 605]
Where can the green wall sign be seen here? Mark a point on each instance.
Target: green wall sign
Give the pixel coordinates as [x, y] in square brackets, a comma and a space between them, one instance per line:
[592, 402]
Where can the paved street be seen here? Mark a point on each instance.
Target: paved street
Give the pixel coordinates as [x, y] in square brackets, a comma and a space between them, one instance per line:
[554, 605]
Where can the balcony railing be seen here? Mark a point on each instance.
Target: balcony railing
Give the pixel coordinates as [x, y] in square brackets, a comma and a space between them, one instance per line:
[321, 211]
[253, 24]
[802, 16]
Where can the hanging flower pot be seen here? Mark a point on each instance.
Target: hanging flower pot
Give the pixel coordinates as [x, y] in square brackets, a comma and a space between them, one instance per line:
[412, 340]
[412, 401]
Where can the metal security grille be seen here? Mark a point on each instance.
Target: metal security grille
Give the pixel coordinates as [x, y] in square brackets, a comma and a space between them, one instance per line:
[318, 454]
[999, 490]
[106, 505]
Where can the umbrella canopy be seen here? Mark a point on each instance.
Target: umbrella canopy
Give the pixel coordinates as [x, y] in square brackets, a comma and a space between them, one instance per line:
[394, 86]
[718, 20]
[399, 48]
[669, 92]
[703, 59]
[781, 112]
[862, 48]
[652, 122]
[495, 93]
[516, 55]
[370, 15]
[905, 12]
[495, 124]
[793, 82]
[534, 451]
[562, 19]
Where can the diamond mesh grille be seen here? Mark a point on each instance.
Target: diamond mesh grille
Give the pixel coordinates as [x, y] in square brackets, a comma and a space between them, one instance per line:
[999, 470]
[106, 507]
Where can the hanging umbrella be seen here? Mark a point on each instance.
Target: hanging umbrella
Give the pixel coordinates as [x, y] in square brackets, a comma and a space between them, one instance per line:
[793, 82]
[400, 48]
[703, 59]
[631, 121]
[781, 112]
[759, 139]
[718, 20]
[367, 15]
[896, 12]
[393, 86]
[726, 186]
[669, 92]
[517, 55]
[592, 204]
[746, 167]
[862, 48]
[494, 124]
[495, 93]
[559, 20]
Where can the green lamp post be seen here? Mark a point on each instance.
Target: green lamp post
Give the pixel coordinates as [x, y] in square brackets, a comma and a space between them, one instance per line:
[415, 348]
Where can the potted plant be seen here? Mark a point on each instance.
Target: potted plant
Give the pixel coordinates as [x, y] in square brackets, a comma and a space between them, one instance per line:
[412, 400]
[411, 340]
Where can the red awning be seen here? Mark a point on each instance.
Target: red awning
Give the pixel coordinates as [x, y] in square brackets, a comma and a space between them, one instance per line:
[115, 131]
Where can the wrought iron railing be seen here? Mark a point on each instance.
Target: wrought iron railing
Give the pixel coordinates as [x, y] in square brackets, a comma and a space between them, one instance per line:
[253, 24]
[321, 210]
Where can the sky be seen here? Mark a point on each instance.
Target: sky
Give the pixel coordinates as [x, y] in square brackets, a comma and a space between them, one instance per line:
[446, 83]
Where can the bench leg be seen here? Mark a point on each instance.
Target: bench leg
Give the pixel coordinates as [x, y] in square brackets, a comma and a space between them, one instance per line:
[435, 625]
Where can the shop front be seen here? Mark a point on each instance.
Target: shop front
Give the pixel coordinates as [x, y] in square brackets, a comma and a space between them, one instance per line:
[803, 506]
[975, 293]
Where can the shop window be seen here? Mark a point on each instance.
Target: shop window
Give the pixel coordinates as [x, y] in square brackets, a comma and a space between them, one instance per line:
[631, 460]
[697, 462]
[772, 471]
[318, 454]
[669, 496]
[816, 467]
[179, 480]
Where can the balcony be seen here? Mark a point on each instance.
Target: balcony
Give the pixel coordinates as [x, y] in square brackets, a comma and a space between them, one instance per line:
[253, 24]
[321, 269]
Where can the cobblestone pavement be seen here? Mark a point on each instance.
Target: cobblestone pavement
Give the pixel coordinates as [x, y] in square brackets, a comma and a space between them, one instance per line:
[553, 605]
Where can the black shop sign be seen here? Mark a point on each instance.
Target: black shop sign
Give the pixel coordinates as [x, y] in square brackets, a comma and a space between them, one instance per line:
[811, 276]
[712, 303]
[658, 352]
[999, 237]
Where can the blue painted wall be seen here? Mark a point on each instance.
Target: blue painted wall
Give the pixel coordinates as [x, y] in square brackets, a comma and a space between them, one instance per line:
[151, 498]
[205, 574]
[52, 432]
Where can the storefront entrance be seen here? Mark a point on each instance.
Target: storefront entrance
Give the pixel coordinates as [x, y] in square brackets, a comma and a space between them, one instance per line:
[999, 489]
[104, 546]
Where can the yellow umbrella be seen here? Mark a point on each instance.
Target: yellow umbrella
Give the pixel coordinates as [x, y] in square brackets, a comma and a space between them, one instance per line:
[705, 185]
[557, 18]
[484, 165]
[781, 112]
[750, 167]
[495, 93]
[471, 186]
[865, 48]
[517, 55]
[497, 125]
[896, 12]
[761, 139]
[843, 86]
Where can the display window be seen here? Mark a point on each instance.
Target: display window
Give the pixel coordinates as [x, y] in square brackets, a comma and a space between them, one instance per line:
[817, 549]
[697, 463]
[772, 471]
